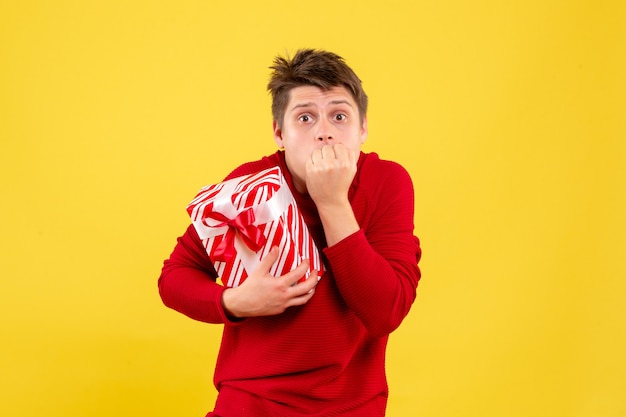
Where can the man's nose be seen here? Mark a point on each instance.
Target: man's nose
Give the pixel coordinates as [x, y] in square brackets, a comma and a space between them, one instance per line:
[324, 133]
[325, 137]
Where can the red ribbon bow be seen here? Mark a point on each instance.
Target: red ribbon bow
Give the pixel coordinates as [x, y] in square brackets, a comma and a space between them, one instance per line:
[243, 223]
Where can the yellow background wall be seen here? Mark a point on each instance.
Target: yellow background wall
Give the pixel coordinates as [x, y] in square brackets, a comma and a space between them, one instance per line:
[510, 116]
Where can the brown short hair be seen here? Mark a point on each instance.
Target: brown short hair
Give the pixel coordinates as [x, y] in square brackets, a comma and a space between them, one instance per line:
[312, 67]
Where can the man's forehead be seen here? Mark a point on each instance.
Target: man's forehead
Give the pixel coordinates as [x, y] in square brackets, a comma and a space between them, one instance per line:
[310, 96]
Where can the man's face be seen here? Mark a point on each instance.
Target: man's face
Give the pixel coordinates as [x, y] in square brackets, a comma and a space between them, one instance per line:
[314, 118]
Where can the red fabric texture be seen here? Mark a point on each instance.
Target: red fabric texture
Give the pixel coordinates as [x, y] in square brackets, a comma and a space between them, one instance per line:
[326, 358]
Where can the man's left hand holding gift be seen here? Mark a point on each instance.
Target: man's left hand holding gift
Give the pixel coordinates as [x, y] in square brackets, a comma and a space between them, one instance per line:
[262, 294]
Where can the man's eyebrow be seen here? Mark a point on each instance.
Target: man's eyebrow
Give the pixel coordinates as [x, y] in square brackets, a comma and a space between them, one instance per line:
[311, 104]
[341, 102]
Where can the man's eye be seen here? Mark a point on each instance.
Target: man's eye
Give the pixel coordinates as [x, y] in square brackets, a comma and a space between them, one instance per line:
[340, 117]
[305, 118]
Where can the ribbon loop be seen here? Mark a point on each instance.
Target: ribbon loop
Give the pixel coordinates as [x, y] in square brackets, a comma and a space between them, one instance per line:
[243, 224]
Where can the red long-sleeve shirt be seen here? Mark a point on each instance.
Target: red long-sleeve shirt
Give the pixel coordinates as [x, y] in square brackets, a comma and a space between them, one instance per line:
[325, 358]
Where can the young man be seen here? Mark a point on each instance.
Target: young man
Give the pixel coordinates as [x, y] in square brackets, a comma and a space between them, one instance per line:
[312, 348]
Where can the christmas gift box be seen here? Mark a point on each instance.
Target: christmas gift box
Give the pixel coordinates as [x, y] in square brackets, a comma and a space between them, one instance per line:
[241, 219]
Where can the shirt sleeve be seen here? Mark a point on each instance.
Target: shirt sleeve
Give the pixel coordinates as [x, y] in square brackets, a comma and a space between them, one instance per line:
[376, 268]
[188, 281]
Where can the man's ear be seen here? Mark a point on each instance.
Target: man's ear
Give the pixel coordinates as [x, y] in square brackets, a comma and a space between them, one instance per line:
[278, 134]
[364, 130]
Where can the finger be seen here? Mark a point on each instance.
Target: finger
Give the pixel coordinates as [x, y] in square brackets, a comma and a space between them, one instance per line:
[269, 259]
[343, 153]
[293, 276]
[316, 156]
[307, 285]
[328, 152]
[300, 300]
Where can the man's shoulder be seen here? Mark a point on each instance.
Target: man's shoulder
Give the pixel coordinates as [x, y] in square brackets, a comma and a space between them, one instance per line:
[379, 185]
[374, 168]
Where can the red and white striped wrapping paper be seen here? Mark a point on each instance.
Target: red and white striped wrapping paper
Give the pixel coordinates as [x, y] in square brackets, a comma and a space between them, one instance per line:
[261, 203]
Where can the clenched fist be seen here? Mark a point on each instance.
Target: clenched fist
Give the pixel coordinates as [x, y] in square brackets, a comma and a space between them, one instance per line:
[329, 173]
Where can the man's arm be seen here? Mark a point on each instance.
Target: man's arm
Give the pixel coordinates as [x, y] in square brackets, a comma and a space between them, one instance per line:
[375, 269]
[187, 285]
[187, 282]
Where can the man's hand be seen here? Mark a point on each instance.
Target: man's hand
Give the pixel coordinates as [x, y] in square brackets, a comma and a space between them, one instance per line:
[329, 173]
[261, 294]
